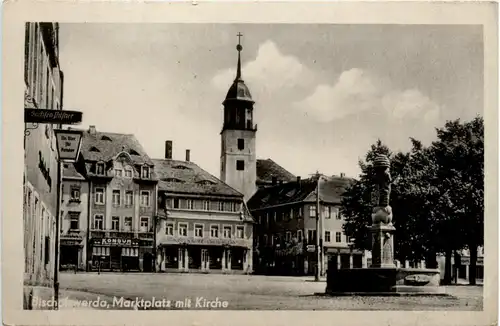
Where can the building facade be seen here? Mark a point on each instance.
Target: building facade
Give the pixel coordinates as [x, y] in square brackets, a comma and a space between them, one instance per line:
[285, 230]
[238, 162]
[116, 219]
[203, 224]
[43, 90]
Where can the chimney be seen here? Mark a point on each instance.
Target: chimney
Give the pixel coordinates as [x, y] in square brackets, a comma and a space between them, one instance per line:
[92, 130]
[342, 175]
[298, 179]
[188, 155]
[168, 150]
[274, 180]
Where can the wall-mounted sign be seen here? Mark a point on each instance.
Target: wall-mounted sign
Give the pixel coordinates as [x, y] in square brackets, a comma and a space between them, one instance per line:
[52, 116]
[68, 144]
[116, 242]
[169, 239]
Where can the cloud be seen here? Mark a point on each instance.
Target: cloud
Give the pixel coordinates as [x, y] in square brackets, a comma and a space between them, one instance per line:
[271, 71]
[358, 91]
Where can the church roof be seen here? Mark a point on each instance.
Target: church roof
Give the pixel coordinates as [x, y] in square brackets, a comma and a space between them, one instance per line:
[331, 190]
[188, 178]
[238, 92]
[267, 169]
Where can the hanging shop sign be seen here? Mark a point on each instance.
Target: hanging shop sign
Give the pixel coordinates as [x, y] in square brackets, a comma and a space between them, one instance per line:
[68, 144]
[64, 117]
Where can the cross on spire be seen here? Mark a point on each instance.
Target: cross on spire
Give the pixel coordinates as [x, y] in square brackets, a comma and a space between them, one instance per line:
[239, 48]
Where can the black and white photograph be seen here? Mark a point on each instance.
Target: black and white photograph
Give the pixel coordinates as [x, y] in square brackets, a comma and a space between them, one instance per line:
[250, 166]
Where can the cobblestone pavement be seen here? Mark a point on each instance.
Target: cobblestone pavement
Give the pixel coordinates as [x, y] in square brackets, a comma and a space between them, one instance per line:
[255, 292]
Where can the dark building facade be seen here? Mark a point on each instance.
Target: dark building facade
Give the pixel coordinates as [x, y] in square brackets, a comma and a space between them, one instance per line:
[43, 90]
[285, 227]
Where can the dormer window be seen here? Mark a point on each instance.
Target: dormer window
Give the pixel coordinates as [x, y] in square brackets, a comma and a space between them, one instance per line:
[100, 168]
[133, 152]
[94, 149]
[145, 172]
[106, 138]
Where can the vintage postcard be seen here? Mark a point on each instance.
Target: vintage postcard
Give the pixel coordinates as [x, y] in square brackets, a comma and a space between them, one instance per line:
[311, 162]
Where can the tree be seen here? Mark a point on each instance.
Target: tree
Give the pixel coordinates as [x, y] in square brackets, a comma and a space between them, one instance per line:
[459, 153]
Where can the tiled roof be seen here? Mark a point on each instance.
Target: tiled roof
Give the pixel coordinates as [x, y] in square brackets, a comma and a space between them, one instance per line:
[267, 169]
[69, 171]
[187, 177]
[331, 189]
[104, 146]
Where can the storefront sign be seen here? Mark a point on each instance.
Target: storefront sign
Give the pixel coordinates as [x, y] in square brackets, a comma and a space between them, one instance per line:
[68, 144]
[311, 248]
[52, 116]
[466, 260]
[207, 241]
[116, 242]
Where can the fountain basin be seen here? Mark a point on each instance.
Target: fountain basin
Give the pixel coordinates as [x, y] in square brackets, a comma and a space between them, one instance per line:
[384, 281]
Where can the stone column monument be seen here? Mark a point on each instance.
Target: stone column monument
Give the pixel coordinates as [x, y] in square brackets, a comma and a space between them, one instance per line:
[382, 229]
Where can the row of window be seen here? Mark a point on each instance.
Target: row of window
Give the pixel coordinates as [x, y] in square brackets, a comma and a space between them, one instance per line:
[104, 251]
[145, 171]
[227, 230]
[328, 212]
[145, 197]
[311, 237]
[116, 223]
[206, 205]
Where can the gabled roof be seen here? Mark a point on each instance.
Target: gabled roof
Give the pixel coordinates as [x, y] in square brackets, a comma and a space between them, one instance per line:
[267, 169]
[330, 191]
[104, 146]
[188, 178]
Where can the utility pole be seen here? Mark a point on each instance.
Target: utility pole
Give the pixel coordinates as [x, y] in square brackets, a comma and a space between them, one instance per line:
[318, 232]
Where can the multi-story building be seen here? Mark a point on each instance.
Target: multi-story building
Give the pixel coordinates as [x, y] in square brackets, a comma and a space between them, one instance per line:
[204, 225]
[111, 228]
[285, 227]
[43, 90]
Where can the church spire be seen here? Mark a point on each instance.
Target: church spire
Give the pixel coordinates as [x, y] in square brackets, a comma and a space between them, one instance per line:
[239, 48]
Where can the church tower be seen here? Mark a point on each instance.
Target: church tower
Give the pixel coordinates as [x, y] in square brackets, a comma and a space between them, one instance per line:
[238, 158]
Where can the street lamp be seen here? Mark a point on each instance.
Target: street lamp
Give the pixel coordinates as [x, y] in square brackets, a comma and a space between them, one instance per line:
[68, 148]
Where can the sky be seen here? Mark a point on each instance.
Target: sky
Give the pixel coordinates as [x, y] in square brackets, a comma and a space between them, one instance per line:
[324, 93]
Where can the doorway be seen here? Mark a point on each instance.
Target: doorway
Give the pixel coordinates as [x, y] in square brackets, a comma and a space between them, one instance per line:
[147, 262]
